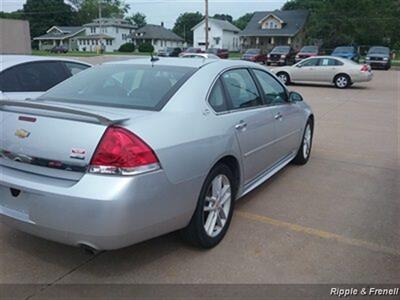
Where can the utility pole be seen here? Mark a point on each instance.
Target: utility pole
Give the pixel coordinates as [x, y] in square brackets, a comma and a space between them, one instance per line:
[206, 21]
[100, 26]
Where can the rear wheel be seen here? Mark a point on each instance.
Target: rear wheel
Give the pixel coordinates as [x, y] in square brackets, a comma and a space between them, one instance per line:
[213, 214]
[342, 81]
[303, 154]
[284, 77]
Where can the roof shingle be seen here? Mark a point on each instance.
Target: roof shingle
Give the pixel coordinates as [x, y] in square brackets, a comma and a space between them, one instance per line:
[294, 20]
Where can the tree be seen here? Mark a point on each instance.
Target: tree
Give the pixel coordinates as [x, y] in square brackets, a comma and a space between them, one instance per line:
[42, 14]
[139, 19]
[88, 10]
[351, 21]
[184, 24]
[223, 17]
[242, 22]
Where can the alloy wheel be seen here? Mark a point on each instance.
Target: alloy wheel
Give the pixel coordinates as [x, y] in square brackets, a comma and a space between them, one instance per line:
[307, 142]
[283, 78]
[342, 82]
[217, 205]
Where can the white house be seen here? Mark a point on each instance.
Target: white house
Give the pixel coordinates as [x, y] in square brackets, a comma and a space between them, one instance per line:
[110, 32]
[222, 35]
[159, 36]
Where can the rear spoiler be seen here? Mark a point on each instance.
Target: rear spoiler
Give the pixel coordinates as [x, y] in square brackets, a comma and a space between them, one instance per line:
[34, 105]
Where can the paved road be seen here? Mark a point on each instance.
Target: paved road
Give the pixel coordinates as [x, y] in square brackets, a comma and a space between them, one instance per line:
[335, 220]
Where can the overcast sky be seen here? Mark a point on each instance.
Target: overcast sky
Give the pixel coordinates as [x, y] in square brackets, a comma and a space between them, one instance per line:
[168, 10]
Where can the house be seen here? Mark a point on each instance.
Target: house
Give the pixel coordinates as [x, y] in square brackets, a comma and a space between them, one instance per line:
[222, 35]
[157, 35]
[60, 36]
[110, 33]
[15, 37]
[273, 28]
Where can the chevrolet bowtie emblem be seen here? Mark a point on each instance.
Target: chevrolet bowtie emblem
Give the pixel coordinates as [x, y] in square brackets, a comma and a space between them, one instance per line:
[22, 134]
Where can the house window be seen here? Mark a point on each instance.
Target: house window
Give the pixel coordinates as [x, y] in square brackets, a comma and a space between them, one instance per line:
[117, 30]
[92, 29]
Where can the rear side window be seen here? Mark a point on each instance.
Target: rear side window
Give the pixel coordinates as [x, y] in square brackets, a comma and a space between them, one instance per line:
[33, 77]
[329, 62]
[241, 89]
[274, 92]
[122, 85]
[217, 98]
[75, 68]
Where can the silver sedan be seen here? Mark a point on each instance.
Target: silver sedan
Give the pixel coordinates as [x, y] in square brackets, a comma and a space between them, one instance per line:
[130, 150]
[339, 71]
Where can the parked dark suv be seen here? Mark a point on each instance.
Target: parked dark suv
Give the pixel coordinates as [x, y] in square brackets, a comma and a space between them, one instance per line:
[306, 52]
[221, 53]
[170, 52]
[379, 57]
[281, 55]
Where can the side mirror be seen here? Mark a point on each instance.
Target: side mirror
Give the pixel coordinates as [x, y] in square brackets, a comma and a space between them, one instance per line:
[299, 66]
[295, 97]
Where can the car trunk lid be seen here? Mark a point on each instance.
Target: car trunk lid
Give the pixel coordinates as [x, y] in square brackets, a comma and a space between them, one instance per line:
[54, 140]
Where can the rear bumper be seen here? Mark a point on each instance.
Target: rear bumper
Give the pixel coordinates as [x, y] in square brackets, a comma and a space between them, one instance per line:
[104, 212]
[363, 77]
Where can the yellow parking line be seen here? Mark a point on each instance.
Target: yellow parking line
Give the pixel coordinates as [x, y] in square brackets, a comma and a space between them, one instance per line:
[318, 233]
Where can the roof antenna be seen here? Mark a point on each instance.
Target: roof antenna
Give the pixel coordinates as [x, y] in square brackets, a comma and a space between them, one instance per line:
[153, 59]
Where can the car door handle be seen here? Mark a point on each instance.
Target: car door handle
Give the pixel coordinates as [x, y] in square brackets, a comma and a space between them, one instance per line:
[278, 116]
[241, 125]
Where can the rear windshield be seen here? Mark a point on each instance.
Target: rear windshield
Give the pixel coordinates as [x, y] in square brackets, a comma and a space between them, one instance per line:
[281, 50]
[309, 49]
[192, 50]
[379, 50]
[131, 86]
[344, 49]
[253, 51]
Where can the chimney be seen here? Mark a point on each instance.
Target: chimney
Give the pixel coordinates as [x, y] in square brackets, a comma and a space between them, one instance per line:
[162, 24]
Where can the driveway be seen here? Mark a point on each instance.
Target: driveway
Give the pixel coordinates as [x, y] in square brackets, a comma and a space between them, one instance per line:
[335, 220]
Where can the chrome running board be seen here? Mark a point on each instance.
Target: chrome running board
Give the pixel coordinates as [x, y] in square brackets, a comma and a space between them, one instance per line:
[267, 174]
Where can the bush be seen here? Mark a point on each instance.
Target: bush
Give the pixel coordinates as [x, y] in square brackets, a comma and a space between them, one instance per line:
[146, 47]
[127, 47]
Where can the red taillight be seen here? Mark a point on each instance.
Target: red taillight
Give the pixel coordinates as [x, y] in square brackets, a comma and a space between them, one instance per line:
[121, 152]
[365, 68]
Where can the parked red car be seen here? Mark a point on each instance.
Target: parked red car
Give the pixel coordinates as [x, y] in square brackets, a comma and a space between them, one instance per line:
[306, 52]
[221, 53]
[255, 55]
[191, 50]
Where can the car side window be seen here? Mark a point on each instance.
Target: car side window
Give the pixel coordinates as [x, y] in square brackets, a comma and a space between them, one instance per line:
[274, 92]
[217, 98]
[241, 89]
[75, 68]
[312, 62]
[9, 81]
[36, 77]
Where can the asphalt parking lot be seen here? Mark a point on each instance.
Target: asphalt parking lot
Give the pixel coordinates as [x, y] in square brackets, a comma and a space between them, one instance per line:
[335, 220]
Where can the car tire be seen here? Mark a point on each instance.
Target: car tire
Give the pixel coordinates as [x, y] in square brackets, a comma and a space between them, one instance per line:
[284, 77]
[342, 81]
[304, 152]
[203, 230]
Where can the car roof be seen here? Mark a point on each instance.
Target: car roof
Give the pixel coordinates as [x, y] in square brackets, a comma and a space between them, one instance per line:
[183, 62]
[9, 60]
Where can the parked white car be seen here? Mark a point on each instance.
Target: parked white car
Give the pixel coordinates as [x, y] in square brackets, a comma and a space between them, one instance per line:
[28, 77]
[339, 71]
[200, 55]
